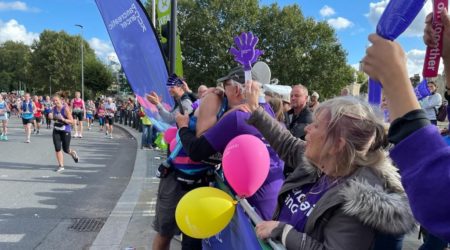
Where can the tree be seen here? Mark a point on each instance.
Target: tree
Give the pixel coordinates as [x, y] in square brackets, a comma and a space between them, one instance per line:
[97, 77]
[14, 64]
[298, 49]
[58, 55]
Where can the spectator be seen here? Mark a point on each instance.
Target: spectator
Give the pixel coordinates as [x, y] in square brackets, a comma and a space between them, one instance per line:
[201, 91]
[298, 117]
[343, 191]
[431, 103]
[170, 190]
[286, 103]
[147, 130]
[313, 101]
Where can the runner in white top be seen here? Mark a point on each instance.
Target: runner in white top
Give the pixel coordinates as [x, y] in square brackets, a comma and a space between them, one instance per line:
[111, 109]
[4, 118]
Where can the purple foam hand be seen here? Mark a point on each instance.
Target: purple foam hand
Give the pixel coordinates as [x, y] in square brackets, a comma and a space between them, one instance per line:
[245, 52]
[421, 90]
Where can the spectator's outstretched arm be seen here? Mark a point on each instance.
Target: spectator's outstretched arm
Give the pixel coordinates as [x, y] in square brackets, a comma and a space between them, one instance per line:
[420, 153]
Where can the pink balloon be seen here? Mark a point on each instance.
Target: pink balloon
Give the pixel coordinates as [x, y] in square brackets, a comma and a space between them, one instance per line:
[173, 144]
[170, 134]
[246, 164]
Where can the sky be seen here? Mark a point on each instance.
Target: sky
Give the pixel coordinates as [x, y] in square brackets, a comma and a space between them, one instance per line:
[353, 21]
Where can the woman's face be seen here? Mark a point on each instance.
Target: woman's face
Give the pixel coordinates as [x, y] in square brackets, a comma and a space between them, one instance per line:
[57, 101]
[315, 138]
[432, 87]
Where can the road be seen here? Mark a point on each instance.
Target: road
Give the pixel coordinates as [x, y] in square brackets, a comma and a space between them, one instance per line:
[39, 205]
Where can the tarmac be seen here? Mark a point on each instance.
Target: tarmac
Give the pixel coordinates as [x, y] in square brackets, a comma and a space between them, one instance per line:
[129, 225]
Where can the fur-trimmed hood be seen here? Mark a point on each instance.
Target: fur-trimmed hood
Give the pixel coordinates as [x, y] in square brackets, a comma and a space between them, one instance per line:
[374, 195]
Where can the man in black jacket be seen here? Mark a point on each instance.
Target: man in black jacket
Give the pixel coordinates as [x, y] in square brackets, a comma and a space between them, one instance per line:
[298, 117]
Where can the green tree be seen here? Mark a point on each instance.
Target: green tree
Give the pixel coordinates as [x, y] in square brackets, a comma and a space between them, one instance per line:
[14, 64]
[97, 77]
[58, 55]
[298, 49]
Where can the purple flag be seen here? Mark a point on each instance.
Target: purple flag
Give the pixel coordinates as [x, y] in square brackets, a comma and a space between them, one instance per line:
[138, 49]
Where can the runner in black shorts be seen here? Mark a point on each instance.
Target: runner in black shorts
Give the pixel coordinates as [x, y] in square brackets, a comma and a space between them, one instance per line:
[27, 110]
[61, 132]
[110, 108]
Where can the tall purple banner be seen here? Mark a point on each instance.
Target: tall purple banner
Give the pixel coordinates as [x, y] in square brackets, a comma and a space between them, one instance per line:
[139, 52]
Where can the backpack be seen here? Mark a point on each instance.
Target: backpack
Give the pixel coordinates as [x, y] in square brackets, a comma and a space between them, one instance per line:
[441, 112]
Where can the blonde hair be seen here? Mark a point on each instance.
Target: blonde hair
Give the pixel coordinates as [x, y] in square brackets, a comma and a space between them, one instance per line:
[361, 128]
[277, 105]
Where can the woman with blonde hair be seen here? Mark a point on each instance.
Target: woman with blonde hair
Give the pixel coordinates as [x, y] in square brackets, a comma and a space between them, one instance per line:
[344, 192]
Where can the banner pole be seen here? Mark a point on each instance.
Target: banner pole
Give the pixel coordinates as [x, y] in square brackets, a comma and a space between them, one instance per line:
[154, 13]
[173, 35]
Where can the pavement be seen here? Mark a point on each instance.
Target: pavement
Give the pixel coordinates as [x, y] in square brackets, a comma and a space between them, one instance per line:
[130, 222]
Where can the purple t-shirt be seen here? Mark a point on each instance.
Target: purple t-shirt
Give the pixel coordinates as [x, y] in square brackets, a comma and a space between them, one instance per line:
[232, 125]
[300, 202]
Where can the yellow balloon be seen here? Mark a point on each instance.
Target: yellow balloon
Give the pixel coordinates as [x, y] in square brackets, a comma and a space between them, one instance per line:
[204, 212]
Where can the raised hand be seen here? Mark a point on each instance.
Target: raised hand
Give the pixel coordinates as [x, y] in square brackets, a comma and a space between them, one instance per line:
[245, 52]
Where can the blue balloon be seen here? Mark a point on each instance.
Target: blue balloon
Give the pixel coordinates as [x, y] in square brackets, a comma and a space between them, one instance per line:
[395, 19]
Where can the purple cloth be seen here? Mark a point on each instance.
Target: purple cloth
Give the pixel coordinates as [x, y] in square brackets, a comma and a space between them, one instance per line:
[300, 202]
[295, 212]
[424, 162]
[232, 125]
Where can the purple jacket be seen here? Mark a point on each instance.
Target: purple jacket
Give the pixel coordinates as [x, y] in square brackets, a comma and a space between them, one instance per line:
[424, 162]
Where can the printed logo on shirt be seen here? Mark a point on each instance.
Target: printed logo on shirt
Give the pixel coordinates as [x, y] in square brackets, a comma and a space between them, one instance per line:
[296, 201]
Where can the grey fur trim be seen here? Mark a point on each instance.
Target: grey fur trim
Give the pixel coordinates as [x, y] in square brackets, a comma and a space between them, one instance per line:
[373, 206]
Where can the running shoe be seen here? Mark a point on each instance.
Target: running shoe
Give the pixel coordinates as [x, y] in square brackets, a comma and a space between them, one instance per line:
[74, 156]
[5, 138]
[59, 169]
[27, 141]
[1, 137]
[80, 136]
[110, 137]
[37, 132]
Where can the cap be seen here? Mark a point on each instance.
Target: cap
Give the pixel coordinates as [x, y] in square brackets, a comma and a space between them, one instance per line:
[315, 94]
[286, 98]
[174, 80]
[260, 73]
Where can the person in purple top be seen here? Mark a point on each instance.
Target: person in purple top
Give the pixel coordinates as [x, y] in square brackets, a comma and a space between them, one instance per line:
[420, 152]
[62, 115]
[231, 125]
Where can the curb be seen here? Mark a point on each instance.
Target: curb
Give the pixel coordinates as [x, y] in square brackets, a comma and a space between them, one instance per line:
[115, 228]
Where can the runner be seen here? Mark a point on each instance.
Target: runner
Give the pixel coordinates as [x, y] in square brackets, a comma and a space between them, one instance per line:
[37, 115]
[27, 110]
[101, 116]
[79, 113]
[47, 103]
[90, 111]
[4, 118]
[110, 108]
[61, 131]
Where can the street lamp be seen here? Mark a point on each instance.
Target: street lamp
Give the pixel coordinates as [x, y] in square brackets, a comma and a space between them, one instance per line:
[82, 62]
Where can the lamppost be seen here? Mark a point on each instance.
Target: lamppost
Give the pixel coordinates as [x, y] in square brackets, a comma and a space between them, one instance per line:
[82, 61]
